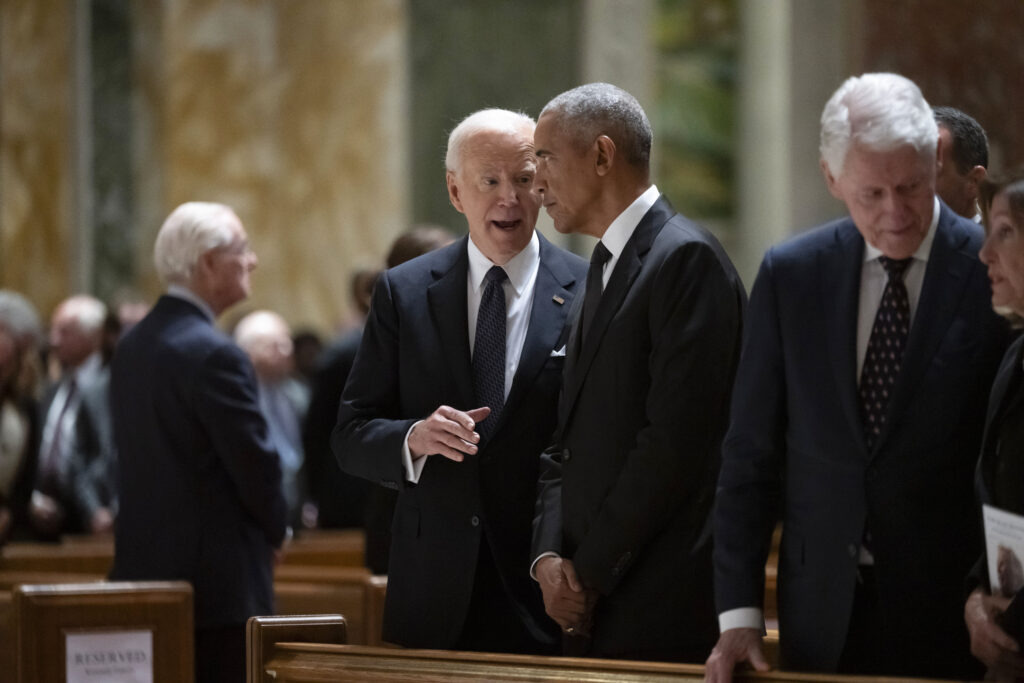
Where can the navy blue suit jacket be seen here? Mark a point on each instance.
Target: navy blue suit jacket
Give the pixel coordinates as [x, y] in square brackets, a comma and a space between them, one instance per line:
[413, 358]
[626, 491]
[200, 483]
[796, 449]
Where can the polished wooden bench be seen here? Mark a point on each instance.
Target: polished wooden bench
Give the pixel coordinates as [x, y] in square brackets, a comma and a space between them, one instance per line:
[96, 557]
[327, 547]
[302, 589]
[49, 618]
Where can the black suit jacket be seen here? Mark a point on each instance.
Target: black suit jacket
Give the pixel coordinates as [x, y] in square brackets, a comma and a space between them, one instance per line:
[415, 357]
[1005, 390]
[626, 492]
[200, 483]
[796, 448]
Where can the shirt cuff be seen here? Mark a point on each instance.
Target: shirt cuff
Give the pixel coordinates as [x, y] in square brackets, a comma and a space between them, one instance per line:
[741, 617]
[533, 567]
[413, 468]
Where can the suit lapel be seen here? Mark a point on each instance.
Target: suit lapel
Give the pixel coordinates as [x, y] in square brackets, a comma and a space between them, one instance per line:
[626, 270]
[944, 284]
[839, 283]
[547, 321]
[447, 299]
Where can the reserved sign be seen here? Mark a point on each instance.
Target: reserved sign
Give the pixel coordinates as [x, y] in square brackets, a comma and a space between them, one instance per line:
[110, 656]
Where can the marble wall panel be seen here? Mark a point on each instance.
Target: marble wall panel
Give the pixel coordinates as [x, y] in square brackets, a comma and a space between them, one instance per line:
[292, 112]
[36, 230]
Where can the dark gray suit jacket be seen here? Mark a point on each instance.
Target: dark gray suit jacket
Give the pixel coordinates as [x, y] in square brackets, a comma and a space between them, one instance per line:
[796, 449]
[413, 358]
[200, 483]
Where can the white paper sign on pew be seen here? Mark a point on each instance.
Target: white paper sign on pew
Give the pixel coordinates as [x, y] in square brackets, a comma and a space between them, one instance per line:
[110, 656]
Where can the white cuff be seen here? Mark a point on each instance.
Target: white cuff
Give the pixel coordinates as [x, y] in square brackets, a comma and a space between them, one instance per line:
[533, 567]
[741, 617]
[413, 468]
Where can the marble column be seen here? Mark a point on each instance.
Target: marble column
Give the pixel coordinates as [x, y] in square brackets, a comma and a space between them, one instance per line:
[294, 113]
[36, 161]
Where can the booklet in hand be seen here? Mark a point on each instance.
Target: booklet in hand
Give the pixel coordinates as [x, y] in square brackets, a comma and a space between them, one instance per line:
[1004, 549]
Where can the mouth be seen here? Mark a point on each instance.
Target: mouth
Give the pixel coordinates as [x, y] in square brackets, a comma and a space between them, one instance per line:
[507, 225]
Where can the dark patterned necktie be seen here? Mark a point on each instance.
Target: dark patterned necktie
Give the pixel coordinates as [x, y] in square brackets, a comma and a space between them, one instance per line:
[595, 285]
[884, 355]
[489, 350]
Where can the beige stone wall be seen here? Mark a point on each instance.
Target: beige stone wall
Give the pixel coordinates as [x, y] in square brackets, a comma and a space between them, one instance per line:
[292, 112]
[36, 230]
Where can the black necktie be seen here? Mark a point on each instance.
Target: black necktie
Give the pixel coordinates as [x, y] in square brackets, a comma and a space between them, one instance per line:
[595, 285]
[885, 349]
[489, 350]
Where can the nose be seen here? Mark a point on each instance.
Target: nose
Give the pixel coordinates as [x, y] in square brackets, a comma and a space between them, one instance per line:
[986, 252]
[508, 194]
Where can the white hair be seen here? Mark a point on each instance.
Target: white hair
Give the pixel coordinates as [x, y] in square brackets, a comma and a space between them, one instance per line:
[485, 120]
[880, 111]
[260, 325]
[190, 231]
[88, 312]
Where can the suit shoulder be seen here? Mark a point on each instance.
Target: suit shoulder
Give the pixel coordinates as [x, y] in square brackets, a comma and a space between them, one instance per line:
[811, 242]
[553, 254]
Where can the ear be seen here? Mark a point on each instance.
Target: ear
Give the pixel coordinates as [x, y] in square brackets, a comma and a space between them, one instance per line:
[605, 147]
[831, 181]
[977, 174]
[453, 191]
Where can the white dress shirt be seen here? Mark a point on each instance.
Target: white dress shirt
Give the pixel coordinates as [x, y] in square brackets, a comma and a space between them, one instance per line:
[872, 285]
[521, 270]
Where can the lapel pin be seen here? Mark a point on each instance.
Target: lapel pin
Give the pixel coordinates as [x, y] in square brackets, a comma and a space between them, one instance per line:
[558, 300]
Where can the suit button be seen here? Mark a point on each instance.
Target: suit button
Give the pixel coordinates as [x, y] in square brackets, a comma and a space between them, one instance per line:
[852, 549]
[475, 521]
[566, 455]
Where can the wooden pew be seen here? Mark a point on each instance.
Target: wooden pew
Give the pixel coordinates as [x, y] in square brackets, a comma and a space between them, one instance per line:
[95, 557]
[280, 658]
[327, 547]
[48, 619]
[262, 633]
[8, 634]
[325, 590]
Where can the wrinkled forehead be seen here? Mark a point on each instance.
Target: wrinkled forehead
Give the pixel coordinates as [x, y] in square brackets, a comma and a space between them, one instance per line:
[499, 148]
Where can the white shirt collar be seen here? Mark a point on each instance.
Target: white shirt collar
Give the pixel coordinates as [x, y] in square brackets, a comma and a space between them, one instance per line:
[622, 228]
[519, 268]
[182, 292]
[923, 249]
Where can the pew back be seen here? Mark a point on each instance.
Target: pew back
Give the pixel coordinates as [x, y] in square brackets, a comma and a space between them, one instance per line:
[51, 618]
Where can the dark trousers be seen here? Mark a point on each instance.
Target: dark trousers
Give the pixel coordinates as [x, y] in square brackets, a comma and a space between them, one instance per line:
[220, 654]
[492, 622]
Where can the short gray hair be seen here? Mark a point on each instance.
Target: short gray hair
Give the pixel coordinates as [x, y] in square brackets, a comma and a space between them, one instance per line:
[589, 111]
[880, 111]
[190, 231]
[499, 120]
[20, 318]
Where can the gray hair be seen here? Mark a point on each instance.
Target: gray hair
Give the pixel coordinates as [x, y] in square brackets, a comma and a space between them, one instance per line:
[88, 312]
[485, 120]
[589, 111]
[880, 111]
[20, 318]
[190, 231]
